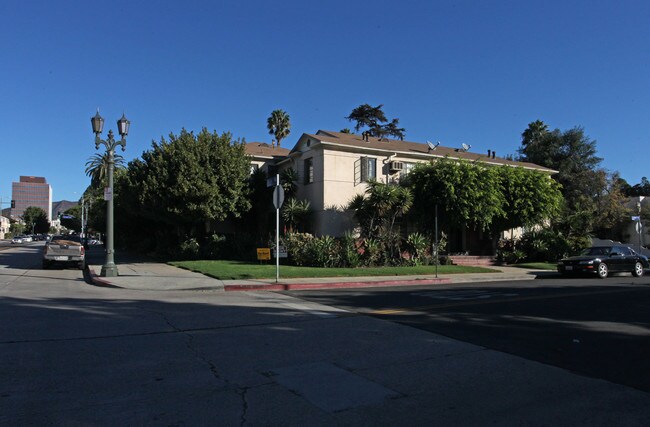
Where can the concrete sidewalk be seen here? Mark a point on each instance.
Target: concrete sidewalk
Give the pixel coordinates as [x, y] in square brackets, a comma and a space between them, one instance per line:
[163, 277]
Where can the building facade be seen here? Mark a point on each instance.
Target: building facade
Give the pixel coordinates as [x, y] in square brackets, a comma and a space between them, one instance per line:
[334, 167]
[4, 226]
[31, 191]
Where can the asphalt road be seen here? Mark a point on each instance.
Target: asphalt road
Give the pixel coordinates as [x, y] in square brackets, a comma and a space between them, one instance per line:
[74, 354]
[597, 328]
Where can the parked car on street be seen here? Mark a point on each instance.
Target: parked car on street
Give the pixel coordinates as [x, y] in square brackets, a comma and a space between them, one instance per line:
[64, 250]
[17, 239]
[603, 260]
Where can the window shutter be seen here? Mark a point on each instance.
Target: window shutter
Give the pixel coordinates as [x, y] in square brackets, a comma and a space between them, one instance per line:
[364, 169]
[357, 172]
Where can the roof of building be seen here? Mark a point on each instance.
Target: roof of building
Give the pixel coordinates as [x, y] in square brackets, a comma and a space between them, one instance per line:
[415, 149]
[264, 150]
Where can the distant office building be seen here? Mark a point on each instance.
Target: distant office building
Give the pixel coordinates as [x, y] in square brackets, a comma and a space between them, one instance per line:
[31, 191]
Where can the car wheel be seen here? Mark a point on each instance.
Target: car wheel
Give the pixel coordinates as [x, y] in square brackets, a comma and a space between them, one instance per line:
[82, 265]
[638, 270]
[602, 270]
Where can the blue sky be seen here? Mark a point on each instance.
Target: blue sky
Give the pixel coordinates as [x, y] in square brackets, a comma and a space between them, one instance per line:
[474, 72]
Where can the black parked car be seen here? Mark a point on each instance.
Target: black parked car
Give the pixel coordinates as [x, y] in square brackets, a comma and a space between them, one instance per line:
[603, 260]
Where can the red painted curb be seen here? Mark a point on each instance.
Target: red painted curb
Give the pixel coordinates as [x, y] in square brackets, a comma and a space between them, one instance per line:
[100, 282]
[337, 285]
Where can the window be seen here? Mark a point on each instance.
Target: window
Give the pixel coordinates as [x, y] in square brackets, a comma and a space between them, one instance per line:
[254, 168]
[368, 169]
[309, 171]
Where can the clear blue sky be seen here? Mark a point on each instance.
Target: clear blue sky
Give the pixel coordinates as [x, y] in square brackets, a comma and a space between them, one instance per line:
[452, 71]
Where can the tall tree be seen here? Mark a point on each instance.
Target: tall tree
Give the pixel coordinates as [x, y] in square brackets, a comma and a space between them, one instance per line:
[182, 184]
[279, 125]
[571, 153]
[368, 116]
[641, 189]
[393, 129]
[612, 214]
[35, 220]
[97, 168]
[373, 118]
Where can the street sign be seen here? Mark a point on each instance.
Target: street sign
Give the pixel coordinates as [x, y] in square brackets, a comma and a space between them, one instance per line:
[278, 196]
[636, 218]
[282, 253]
[108, 193]
[263, 254]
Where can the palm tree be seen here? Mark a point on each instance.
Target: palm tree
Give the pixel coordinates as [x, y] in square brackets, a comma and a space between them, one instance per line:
[295, 213]
[378, 209]
[97, 168]
[289, 181]
[279, 125]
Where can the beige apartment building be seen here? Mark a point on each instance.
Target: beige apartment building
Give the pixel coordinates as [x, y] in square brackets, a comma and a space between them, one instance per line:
[333, 167]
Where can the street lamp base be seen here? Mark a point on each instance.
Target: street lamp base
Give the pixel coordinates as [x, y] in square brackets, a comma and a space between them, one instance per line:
[109, 270]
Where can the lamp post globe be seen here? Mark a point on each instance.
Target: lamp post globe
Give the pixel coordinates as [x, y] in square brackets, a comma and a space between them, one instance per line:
[109, 269]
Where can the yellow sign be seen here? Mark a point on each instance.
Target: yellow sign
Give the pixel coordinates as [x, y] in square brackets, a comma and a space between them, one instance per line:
[263, 254]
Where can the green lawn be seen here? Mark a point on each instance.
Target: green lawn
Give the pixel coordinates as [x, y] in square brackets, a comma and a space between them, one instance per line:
[537, 265]
[233, 270]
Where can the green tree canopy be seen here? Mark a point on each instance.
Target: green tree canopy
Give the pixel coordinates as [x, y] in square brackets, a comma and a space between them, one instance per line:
[73, 222]
[188, 180]
[467, 194]
[612, 213]
[530, 198]
[488, 198]
[35, 219]
[571, 153]
[367, 116]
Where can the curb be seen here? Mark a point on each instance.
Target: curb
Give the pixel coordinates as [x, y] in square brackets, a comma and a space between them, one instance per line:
[93, 279]
[334, 285]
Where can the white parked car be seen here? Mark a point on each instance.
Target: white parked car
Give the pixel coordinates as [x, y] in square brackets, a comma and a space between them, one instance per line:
[17, 239]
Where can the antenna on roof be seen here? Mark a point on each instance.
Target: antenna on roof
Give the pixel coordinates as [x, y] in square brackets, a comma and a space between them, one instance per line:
[433, 146]
[466, 146]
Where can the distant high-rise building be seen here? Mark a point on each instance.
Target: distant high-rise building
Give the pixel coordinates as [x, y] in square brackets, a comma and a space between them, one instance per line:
[31, 191]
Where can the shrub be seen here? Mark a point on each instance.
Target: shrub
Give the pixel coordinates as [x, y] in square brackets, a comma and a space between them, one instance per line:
[190, 249]
[324, 252]
[418, 245]
[350, 256]
[372, 252]
[296, 244]
[215, 247]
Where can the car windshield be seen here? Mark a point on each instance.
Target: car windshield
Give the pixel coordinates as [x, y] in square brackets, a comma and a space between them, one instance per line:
[596, 251]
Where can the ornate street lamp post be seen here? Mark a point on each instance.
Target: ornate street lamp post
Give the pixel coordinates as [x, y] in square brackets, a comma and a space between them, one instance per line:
[109, 269]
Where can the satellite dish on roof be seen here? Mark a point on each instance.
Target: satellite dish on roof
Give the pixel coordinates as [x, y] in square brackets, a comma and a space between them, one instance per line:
[433, 146]
[466, 146]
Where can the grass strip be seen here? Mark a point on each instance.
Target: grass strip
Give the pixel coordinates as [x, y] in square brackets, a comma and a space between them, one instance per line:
[236, 270]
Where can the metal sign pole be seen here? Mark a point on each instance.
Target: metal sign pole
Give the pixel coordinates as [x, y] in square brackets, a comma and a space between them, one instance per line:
[278, 199]
[277, 232]
[437, 253]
